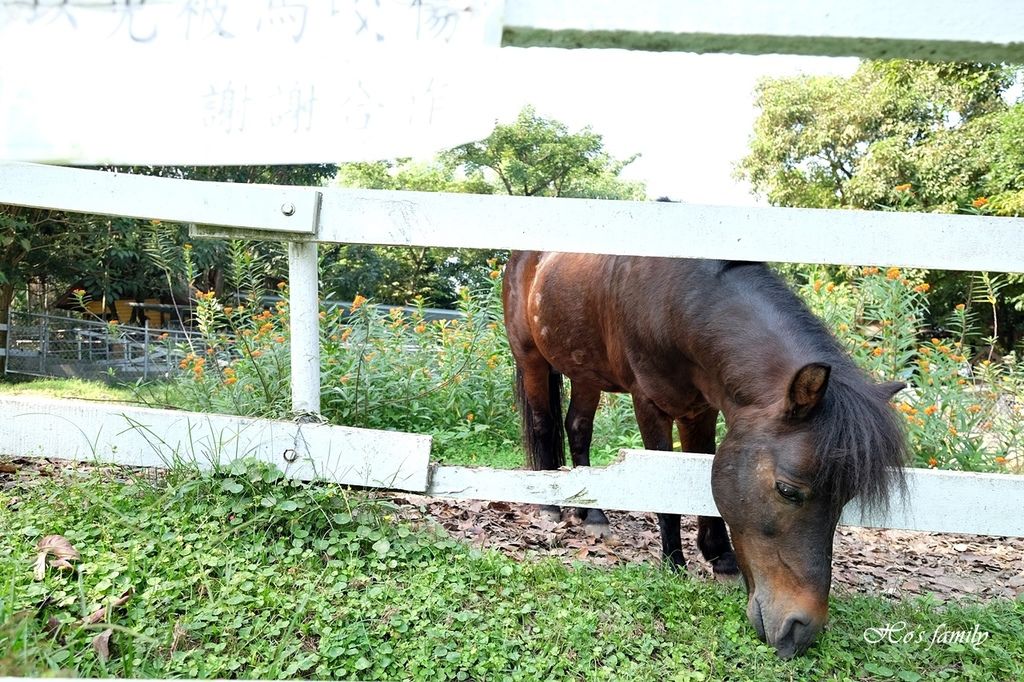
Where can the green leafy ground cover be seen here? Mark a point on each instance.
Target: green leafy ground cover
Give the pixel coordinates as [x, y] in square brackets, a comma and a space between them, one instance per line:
[241, 574]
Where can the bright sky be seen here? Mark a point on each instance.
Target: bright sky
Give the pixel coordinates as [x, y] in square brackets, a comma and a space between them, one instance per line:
[689, 116]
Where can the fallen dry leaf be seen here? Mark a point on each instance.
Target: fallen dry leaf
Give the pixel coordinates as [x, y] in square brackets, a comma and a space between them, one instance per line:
[56, 545]
[7, 468]
[100, 614]
[101, 643]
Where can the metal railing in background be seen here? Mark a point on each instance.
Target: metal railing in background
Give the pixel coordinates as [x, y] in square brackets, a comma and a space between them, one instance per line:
[53, 346]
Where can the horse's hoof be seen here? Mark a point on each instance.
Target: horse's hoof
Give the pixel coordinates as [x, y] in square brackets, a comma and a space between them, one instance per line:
[725, 568]
[598, 530]
[550, 513]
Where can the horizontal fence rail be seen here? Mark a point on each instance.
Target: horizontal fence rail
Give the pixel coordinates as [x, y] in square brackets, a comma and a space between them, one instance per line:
[282, 208]
[794, 235]
[919, 29]
[680, 483]
[146, 437]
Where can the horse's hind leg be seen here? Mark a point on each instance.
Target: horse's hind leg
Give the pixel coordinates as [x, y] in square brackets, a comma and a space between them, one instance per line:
[698, 435]
[539, 397]
[579, 426]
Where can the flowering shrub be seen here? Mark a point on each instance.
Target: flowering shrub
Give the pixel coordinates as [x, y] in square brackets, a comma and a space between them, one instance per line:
[387, 370]
[453, 378]
[959, 414]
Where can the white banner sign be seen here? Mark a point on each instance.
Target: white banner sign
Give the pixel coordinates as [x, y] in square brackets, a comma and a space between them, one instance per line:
[244, 81]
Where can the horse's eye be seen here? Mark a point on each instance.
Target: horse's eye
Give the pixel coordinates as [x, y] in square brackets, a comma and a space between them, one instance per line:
[789, 492]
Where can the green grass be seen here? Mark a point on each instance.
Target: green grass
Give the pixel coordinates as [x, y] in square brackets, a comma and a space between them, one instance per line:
[241, 574]
[68, 388]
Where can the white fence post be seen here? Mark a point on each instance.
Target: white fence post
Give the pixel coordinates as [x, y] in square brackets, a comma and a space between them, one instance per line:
[304, 321]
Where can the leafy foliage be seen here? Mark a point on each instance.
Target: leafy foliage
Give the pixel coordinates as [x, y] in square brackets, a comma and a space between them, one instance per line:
[534, 156]
[242, 574]
[901, 136]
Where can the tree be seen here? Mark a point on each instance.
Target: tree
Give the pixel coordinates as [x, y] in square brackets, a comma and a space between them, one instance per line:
[532, 157]
[897, 135]
[540, 157]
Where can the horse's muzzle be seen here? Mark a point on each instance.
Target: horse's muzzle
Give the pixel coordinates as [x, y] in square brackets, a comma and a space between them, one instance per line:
[790, 635]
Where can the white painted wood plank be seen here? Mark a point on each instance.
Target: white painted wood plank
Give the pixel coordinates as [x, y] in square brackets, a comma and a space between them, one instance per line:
[304, 327]
[952, 20]
[282, 208]
[122, 434]
[949, 242]
[639, 481]
[939, 501]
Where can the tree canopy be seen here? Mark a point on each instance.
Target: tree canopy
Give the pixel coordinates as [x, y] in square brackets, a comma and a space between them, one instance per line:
[533, 156]
[897, 135]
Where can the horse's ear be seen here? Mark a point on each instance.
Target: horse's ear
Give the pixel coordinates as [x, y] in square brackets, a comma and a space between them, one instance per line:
[891, 388]
[807, 389]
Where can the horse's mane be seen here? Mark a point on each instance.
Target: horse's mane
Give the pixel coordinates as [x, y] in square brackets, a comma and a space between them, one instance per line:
[858, 437]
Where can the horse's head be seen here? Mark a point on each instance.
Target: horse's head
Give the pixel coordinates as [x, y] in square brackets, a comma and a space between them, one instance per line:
[781, 478]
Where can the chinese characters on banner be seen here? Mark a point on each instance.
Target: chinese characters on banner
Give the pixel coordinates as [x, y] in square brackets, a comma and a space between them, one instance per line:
[244, 82]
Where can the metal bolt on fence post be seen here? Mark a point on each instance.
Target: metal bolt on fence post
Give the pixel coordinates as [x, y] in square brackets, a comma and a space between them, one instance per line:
[288, 208]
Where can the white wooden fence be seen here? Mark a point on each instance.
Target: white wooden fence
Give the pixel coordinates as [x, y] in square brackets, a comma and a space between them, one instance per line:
[665, 482]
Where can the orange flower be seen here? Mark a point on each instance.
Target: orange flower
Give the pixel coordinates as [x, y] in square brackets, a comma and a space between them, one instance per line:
[282, 285]
[979, 202]
[470, 417]
[902, 188]
[930, 410]
[953, 431]
[877, 352]
[495, 274]
[892, 273]
[932, 462]
[78, 293]
[870, 271]
[420, 328]
[830, 287]
[1000, 460]
[279, 339]
[974, 409]
[922, 288]
[256, 353]
[228, 310]
[357, 302]
[345, 334]
[817, 285]
[230, 381]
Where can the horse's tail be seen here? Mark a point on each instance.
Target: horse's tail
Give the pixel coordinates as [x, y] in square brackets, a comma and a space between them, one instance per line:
[538, 440]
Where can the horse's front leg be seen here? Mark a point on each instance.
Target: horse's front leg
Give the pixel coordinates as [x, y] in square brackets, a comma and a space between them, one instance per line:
[579, 425]
[656, 432]
[698, 435]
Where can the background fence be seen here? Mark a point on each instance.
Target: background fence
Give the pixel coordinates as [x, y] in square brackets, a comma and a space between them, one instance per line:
[44, 345]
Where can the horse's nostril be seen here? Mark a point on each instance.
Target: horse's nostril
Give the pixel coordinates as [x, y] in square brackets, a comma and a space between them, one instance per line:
[796, 634]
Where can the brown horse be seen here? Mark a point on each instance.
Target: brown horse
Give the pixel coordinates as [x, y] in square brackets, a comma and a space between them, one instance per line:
[807, 430]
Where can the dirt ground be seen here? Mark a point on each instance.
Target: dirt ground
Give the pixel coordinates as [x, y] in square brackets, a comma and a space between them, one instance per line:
[893, 563]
